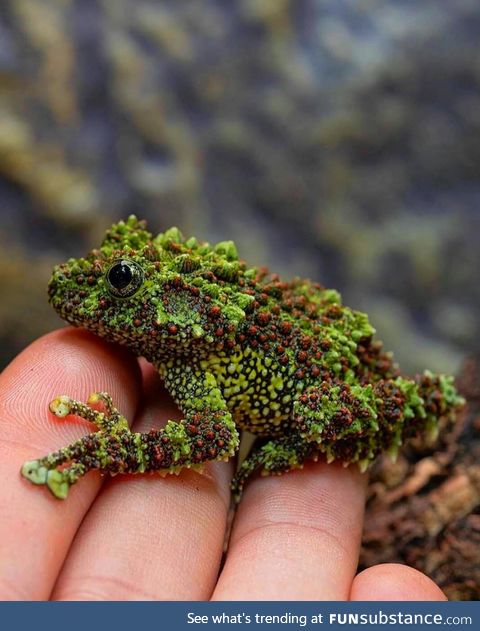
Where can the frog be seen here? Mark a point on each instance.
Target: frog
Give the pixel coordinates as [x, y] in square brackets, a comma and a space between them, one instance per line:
[239, 350]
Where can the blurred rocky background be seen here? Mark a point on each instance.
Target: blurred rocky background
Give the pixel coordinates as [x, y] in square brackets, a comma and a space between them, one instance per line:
[337, 140]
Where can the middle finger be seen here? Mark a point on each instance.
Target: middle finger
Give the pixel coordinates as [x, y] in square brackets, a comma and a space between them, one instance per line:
[296, 537]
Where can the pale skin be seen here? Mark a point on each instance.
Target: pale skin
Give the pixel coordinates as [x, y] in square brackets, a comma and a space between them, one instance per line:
[145, 537]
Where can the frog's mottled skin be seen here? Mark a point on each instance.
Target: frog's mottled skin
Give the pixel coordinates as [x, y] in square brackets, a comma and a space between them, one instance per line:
[237, 349]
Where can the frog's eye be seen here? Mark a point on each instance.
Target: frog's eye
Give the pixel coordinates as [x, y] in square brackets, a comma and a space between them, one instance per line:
[124, 278]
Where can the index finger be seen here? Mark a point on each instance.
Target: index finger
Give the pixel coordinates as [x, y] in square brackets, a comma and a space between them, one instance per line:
[36, 529]
[149, 538]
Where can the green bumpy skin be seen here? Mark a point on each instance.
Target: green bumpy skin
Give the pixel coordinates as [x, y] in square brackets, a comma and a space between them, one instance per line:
[237, 348]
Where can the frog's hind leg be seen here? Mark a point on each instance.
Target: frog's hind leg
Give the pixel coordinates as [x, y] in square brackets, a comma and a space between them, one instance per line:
[275, 457]
[335, 419]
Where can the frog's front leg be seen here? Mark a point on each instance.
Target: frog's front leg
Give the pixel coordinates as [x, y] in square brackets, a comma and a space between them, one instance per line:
[275, 457]
[206, 433]
[62, 468]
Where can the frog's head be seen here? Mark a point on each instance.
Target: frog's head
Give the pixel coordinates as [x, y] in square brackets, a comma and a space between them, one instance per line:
[155, 293]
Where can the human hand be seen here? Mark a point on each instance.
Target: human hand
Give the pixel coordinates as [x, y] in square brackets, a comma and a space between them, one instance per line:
[295, 537]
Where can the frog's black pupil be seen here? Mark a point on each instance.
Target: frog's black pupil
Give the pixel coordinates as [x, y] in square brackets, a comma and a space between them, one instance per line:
[120, 276]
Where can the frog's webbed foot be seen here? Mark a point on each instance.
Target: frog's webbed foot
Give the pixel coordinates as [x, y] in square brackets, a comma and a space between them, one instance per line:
[60, 469]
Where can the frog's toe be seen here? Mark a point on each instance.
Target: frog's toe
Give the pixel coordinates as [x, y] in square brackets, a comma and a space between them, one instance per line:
[35, 472]
[61, 406]
[57, 483]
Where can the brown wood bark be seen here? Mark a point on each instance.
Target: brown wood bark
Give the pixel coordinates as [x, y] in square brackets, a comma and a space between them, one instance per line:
[424, 509]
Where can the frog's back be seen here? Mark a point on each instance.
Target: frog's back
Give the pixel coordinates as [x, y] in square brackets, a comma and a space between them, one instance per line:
[296, 334]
